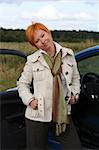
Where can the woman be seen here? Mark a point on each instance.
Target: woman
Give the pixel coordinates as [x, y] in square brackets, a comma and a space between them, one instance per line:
[52, 70]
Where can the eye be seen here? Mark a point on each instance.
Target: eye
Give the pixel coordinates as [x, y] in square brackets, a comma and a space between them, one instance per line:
[36, 41]
[42, 35]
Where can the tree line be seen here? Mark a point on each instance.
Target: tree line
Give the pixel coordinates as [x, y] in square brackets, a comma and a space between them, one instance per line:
[18, 35]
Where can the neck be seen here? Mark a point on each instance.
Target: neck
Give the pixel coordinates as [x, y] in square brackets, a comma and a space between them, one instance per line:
[52, 51]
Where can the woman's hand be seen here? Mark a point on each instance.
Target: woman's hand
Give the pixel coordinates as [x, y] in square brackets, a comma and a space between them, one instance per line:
[34, 104]
[72, 100]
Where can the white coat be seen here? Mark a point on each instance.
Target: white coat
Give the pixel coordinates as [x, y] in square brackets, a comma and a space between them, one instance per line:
[37, 70]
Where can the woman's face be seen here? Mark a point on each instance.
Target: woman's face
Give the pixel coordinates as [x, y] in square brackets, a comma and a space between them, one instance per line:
[43, 40]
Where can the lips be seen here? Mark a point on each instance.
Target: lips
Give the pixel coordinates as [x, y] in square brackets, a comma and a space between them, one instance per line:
[46, 45]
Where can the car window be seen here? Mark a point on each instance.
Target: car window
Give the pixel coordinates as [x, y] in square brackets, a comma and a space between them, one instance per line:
[10, 69]
[89, 65]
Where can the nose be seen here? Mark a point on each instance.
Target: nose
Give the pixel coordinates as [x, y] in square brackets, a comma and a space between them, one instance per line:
[42, 41]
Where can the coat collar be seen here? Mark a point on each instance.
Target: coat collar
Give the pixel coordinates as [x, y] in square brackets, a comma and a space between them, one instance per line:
[38, 54]
[65, 51]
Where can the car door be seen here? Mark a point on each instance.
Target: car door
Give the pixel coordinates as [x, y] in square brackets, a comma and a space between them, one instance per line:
[86, 112]
[12, 121]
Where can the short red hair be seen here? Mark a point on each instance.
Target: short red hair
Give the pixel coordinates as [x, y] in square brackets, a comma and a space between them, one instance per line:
[31, 29]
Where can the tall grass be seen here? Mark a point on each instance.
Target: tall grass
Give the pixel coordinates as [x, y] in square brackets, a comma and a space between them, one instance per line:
[10, 70]
[28, 49]
[80, 45]
[11, 66]
[24, 46]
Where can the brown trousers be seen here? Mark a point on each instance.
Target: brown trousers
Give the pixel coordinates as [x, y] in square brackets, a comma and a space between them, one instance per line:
[37, 136]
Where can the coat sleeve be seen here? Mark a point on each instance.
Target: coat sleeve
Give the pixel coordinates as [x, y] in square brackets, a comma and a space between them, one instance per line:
[75, 88]
[24, 83]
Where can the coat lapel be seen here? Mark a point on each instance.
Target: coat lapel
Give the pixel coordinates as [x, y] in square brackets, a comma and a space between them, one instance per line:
[42, 61]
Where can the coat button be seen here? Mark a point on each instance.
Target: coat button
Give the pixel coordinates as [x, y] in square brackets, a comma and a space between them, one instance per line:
[66, 98]
[70, 84]
[37, 69]
[66, 73]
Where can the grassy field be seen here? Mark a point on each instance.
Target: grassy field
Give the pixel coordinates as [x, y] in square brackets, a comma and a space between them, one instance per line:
[27, 48]
[11, 66]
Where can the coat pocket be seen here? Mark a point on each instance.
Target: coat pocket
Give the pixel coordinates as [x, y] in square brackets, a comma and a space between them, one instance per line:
[70, 64]
[32, 112]
[38, 73]
[41, 106]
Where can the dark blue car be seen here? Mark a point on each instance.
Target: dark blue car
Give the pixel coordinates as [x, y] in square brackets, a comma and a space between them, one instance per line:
[85, 113]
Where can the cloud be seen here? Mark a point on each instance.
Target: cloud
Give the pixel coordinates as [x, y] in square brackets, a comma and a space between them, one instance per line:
[50, 12]
[56, 15]
[21, 1]
[14, 1]
[91, 2]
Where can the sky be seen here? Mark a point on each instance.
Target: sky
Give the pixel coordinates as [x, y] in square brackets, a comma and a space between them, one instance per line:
[55, 14]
